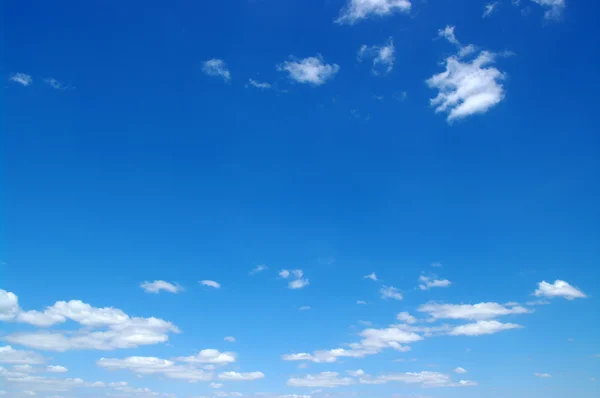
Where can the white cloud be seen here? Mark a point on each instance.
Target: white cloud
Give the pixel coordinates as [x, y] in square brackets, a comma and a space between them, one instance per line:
[542, 375]
[304, 308]
[361, 302]
[425, 379]
[448, 34]
[356, 373]
[460, 370]
[21, 78]
[259, 268]
[311, 70]
[236, 376]
[390, 292]
[481, 328]
[427, 282]
[261, 85]
[371, 276]
[324, 379]
[56, 369]
[406, 318]
[152, 365]
[554, 8]
[157, 286]
[117, 329]
[216, 67]
[9, 305]
[215, 385]
[481, 311]
[356, 10]
[298, 283]
[558, 289]
[490, 8]
[230, 339]
[210, 356]
[210, 283]
[383, 56]
[55, 84]
[284, 273]
[12, 356]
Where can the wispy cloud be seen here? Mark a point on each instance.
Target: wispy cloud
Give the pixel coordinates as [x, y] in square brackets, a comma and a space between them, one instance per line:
[429, 282]
[216, 67]
[554, 8]
[259, 268]
[489, 9]
[21, 78]
[390, 292]
[311, 70]
[356, 10]
[371, 276]
[55, 84]
[158, 286]
[210, 283]
[383, 56]
[260, 85]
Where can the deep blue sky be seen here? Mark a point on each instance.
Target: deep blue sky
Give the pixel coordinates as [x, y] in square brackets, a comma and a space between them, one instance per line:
[141, 167]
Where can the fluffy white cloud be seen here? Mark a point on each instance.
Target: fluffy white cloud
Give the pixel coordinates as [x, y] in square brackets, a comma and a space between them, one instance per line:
[157, 286]
[210, 356]
[21, 78]
[460, 370]
[356, 373]
[558, 289]
[406, 318]
[390, 292]
[9, 305]
[427, 282]
[324, 379]
[12, 356]
[157, 366]
[356, 10]
[383, 56]
[230, 339]
[542, 375]
[479, 311]
[105, 328]
[299, 282]
[284, 273]
[236, 376]
[210, 283]
[56, 369]
[489, 9]
[554, 8]
[425, 379]
[371, 276]
[482, 327]
[216, 67]
[311, 70]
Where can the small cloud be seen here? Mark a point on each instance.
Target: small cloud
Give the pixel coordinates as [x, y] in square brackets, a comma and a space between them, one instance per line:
[460, 370]
[215, 385]
[311, 70]
[260, 85]
[383, 56]
[361, 302]
[230, 339]
[156, 287]
[371, 276]
[304, 308]
[356, 373]
[401, 95]
[554, 8]
[210, 283]
[21, 78]
[217, 68]
[56, 369]
[55, 84]
[428, 283]
[298, 284]
[259, 268]
[284, 273]
[489, 9]
[390, 292]
[558, 289]
[436, 265]
[356, 10]
[406, 318]
[542, 375]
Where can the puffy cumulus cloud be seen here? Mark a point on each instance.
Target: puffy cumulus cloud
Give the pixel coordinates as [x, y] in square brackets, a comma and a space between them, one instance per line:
[356, 10]
[466, 87]
[12, 356]
[382, 56]
[429, 282]
[9, 305]
[390, 292]
[56, 369]
[104, 328]
[156, 366]
[406, 318]
[158, 286]
[479, 311]
[554, 8]
[460, 370]
[209, 283]
[236, 376]
[311, 70]
[425, 379]
[210, 356]
[298, 281]
[558, 289]
[482, 327]
[324, 379]
[217, 68]
[21, 78]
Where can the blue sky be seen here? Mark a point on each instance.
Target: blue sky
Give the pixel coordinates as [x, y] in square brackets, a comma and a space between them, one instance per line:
[337, 198]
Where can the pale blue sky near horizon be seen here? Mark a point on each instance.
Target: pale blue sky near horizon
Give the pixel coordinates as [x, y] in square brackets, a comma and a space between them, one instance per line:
[147, 148]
